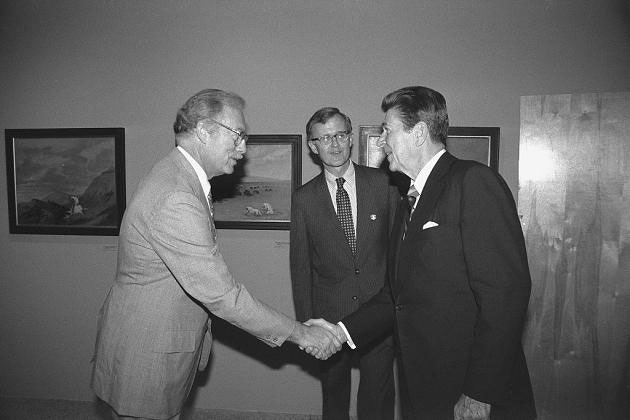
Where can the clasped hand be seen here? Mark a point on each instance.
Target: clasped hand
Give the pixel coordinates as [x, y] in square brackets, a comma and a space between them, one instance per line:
[320, 338]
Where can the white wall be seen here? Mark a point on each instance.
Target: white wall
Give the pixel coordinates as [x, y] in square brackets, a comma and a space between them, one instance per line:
[101, 63]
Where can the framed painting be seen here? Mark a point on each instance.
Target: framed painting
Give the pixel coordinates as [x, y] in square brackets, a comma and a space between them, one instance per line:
[258, 194]
[65, 181]
[473, 143]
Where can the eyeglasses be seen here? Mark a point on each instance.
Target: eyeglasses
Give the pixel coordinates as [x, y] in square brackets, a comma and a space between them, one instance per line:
[240, 135]
[341, 137]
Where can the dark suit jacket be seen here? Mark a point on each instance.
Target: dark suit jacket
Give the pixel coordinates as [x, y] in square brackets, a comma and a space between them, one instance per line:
[328, 281]
[458, 296]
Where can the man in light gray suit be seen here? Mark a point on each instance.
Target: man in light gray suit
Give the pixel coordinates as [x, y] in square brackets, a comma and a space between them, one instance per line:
[154, 330]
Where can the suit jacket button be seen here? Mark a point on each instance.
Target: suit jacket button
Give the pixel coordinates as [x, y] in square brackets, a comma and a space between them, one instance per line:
[354, 298]
[399, 307]
[356, 271]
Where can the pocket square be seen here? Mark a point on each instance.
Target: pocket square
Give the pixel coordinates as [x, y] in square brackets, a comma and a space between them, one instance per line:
[429, 225]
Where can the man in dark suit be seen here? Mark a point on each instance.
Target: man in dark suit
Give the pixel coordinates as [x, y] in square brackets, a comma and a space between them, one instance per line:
[154, 330]
[459, 279]
[339, 262]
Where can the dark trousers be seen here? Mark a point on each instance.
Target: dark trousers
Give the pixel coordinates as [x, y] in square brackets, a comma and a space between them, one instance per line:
[375, 399]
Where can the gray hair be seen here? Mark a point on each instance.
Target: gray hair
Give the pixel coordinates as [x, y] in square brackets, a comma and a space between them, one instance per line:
[202, 105]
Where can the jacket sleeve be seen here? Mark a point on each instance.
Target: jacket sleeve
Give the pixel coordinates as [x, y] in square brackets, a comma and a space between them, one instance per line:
[181, 234]
[300, 261]
[496, 260]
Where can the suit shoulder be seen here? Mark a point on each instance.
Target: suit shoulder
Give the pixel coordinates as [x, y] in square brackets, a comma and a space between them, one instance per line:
[477, 175]
[372, 173]
[308, 188]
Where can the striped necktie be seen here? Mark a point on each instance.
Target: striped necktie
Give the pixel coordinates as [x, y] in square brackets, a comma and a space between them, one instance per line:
[412, 196]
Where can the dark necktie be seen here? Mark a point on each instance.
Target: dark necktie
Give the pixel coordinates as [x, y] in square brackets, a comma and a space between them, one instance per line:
[411, 197]
[213, 230]
[344, 214]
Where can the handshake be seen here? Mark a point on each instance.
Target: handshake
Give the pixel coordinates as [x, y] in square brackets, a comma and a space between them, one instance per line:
[318, 337]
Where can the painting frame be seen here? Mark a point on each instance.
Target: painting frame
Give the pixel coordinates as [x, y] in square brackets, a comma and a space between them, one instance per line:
[482, 145]
[66, 181]
[257, 196]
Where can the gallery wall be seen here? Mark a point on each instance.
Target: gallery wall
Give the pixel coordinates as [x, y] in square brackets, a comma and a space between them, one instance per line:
[131, 64]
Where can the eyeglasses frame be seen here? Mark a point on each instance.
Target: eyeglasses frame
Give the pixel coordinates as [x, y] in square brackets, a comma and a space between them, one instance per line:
[346, 134]
[241, 136]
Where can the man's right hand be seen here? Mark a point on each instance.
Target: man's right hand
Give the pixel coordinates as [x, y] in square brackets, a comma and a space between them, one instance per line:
[316, 339]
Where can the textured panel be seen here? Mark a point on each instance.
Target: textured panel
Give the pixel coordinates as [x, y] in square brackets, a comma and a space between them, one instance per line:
[574, 201]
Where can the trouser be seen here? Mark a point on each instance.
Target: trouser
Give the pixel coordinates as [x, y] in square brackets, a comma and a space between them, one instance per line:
[375, 398]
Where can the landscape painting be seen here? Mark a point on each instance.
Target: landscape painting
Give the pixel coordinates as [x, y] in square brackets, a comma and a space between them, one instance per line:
[68, 181]
[471, 143]
[258, 194]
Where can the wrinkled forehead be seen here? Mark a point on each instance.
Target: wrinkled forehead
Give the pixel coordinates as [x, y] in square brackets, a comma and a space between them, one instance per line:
[233, 117]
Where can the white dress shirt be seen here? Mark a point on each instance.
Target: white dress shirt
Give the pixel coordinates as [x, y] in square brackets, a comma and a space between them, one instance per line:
[351, 188]
[201, 174]
[419, 183]
[423, 175]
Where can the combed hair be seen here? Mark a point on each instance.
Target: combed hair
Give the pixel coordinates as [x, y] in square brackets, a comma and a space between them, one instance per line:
[322, 115]
[419, 103]
[205, 104]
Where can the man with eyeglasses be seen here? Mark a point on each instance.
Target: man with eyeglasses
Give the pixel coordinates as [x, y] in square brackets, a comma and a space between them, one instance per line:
[340, 223]
[154, 330]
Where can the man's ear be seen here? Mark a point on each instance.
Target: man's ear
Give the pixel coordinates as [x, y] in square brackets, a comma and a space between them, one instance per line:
[421, 133]
[313, 148]
[202, 132]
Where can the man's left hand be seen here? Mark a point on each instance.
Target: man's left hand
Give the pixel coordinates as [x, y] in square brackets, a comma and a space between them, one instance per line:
[468, 408]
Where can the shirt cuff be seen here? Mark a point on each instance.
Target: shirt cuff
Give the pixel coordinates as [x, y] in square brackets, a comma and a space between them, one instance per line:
[349, 340]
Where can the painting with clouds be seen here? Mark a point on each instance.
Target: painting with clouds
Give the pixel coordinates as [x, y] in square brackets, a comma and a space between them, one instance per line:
[66, 181]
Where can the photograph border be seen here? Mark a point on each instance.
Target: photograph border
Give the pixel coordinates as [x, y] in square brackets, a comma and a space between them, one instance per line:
[295, 141]
[490, 133]
[118, 136]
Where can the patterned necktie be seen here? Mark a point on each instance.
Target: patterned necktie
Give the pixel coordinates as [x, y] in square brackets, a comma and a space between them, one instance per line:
[344, 214]
[411, 197]
[213, 230]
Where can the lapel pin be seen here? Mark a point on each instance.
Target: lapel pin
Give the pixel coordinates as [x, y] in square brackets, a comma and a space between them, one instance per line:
[372, 217]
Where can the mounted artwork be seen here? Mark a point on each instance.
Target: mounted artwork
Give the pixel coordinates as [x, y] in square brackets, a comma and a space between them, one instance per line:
[258, 194]
[474, 143]
[65, 181]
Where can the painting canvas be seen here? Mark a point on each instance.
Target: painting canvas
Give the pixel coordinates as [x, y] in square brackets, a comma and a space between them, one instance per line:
[473, 143]
[258, 194]
[65, 181]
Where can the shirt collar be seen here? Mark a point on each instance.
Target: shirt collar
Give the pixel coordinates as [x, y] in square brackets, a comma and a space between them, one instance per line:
[201, 174]
[349, 176]
[422, 177]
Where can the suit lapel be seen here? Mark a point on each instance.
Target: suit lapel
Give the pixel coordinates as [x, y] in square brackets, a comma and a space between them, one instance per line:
[330, 222]
[364, 197]
[426, 203]
[402, 212]
[431, 192]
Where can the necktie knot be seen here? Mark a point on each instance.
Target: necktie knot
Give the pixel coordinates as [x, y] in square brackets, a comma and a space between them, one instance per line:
[412, 196]
[340, 182]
